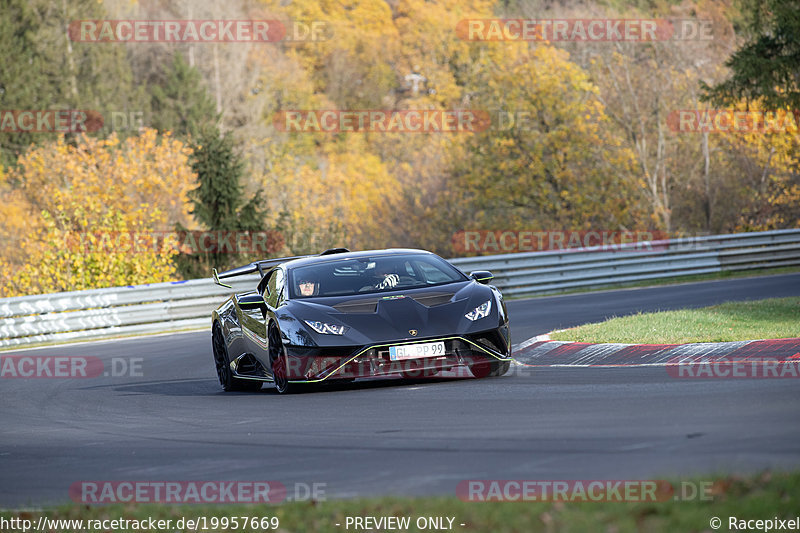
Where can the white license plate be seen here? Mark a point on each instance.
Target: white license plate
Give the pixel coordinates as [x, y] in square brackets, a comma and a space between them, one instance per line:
[416, 351]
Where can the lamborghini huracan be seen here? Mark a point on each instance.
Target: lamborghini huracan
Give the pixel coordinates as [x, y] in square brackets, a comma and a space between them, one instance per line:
[344, 315]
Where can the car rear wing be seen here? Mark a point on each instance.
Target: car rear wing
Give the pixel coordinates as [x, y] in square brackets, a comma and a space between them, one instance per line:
[261, 267]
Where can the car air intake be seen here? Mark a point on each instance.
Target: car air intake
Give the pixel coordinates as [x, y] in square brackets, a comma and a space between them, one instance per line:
[368, 305]
[432, 299]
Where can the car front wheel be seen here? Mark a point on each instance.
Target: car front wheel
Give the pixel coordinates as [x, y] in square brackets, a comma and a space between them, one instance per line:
[490, 368]
[277, 358]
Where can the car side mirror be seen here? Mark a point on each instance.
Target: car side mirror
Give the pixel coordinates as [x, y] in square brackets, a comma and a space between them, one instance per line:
[482, 276]
[252, 301]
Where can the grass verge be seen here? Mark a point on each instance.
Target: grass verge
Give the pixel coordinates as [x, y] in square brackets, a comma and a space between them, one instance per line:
[764, 496]
[773, 318]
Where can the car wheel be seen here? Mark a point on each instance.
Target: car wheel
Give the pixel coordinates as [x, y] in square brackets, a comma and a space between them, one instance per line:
[499, 368]
[223, 364]
[277, 358]
[490, 368]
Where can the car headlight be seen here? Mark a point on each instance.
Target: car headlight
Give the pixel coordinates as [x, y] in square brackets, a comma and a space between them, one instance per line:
[480, 311]
[324, 328]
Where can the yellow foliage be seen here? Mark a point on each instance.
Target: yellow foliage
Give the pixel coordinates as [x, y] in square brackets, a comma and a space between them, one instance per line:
[341, 197]
[69, 208]
[553, 159]
[774, 154]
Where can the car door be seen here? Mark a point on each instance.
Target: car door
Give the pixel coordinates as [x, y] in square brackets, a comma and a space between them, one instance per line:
[254, 327]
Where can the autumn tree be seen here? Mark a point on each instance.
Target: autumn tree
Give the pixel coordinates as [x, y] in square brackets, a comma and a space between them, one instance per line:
[767, 160]
[375, 48]
[94, 213]
[547, 161]
[641, 84]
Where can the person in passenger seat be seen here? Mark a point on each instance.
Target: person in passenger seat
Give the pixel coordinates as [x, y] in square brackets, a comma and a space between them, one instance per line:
[387, 279]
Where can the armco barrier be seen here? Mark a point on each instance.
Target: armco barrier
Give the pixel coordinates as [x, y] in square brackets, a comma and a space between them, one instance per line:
[113, 311]
[160, 307]
[533, 273]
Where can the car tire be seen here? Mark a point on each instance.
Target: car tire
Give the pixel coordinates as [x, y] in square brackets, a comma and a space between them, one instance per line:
[486, 369]
[277, 360]
[223, 365]
[499, 368]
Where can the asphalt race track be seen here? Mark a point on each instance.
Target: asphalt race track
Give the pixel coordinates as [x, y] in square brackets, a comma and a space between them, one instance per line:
[171, 421]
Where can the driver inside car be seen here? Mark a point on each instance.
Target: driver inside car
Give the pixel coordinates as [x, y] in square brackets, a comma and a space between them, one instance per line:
[308, 287]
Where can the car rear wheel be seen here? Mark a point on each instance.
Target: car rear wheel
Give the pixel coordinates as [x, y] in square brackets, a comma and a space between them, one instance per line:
[277, 358]
[223, 365]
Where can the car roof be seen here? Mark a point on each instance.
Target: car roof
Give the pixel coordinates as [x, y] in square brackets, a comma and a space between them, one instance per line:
[315, 259]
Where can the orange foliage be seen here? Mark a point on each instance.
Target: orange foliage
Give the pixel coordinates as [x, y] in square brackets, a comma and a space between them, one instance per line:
[62, 198]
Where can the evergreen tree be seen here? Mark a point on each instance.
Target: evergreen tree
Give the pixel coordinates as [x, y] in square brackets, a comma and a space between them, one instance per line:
[219, 201]
[767, 66]
[45, 69]
[180, 103]
[24, 81]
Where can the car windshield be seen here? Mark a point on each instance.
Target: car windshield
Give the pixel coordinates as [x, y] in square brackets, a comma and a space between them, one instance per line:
[375, 274]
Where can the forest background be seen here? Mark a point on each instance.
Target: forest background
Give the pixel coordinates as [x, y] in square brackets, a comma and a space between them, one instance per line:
[581, 136]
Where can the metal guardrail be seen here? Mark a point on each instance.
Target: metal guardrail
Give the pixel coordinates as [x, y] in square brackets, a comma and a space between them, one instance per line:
[536, 273]
[162, 307]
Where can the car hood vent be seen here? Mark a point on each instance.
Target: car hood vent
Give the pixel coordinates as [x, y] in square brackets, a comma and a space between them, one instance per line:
[432, 299]
[370, 305]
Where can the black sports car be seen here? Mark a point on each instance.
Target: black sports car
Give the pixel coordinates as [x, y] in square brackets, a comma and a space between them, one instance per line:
[342, 315]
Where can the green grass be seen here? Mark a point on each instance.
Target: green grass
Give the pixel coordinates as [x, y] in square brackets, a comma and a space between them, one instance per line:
[767, 495]
[773, 318]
